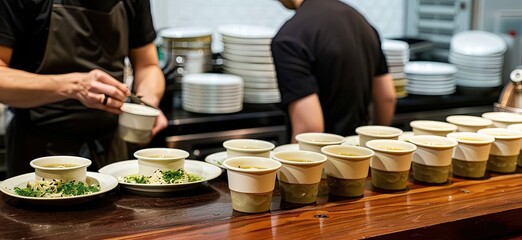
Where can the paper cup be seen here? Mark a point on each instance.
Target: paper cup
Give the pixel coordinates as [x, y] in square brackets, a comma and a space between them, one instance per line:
[347, 169]
[391, 163]
[426, 127]
[518, 127]
[248, 147]
[315, 141]
[136, 122]
[470, 156]
[367, 133]
[299, 175]
[152, 159]
[503, 119]
[469, 123]
[251, 181]
[65, 168]
[432, 159]
[505, 149]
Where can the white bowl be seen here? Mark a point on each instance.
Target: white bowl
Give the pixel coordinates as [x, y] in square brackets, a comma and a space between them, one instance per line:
[248, 147]
[152, 159]
[427, 127]
[66, 168]
[503, 119]
[136, 122]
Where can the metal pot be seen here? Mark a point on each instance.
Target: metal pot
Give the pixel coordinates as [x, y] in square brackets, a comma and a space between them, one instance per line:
[510, 99]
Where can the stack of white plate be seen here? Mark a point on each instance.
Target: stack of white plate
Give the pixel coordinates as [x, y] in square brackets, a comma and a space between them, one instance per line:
[397, 55]
[479, 57]
[212, 93]
[247, 54]
[430, 78]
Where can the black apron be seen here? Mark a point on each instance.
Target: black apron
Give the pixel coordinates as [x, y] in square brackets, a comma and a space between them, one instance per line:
[79, 40]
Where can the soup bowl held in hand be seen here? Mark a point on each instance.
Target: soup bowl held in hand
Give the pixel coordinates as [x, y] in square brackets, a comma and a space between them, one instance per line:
[136, 122]
[65, 168]
[152, 159]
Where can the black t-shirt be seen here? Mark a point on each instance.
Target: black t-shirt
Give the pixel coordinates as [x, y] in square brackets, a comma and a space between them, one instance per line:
[24, 26]
[330, 49]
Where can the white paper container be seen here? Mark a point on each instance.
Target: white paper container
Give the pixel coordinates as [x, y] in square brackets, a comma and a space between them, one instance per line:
[149, 162]
[248, 147]
[251, 180]
[347, 167]
[77, 171]
[503, 119]
[433, 150]
[300, 172]
[426, 127]
[469, 123]
[472, 151]
[516, 126]
[315, 141]
[391, 160]
[367, 133]
[136, 122]
[507, 141]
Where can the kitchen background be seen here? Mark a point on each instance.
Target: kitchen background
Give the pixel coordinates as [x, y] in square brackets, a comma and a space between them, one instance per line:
[433, 20]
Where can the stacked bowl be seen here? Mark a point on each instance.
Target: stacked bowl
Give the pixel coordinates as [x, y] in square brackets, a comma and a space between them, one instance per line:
[397, 55]
[247, 54]
[430, 78]
[479, 57]
[212, 93]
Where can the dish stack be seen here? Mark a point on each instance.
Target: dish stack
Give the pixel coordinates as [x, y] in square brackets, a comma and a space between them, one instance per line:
[186, 50]
[212, 93]
[430, 78]
[397, 55]
[247, 54]
[479, 57]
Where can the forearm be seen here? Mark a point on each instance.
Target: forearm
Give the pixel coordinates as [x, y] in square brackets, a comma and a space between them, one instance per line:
[306, 115]
[150, 83]
[24, 90]
[384, 100]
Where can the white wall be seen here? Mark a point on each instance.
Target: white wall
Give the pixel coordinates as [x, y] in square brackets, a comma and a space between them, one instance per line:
[387, 16]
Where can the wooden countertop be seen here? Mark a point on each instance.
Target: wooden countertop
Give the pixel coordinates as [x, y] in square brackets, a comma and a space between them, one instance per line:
[460, 209]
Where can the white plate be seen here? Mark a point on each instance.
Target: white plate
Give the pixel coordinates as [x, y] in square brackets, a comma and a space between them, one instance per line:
[429, 68]
[259, 79]
[249, 66]
[106, 182]
[399, 75]
[246, 31]
[212, 110]
[431, 77]
[261, 101]
[263, 53]
[247, 47]
[250, 73]
[260, 85]
[125, 168]
[396, 69]
[212, 79]
[248, 59]
[430, 93]
[394, 45]
[477, 43]
[474, 83]
[217, 159]
[287, 147]
[236, 40]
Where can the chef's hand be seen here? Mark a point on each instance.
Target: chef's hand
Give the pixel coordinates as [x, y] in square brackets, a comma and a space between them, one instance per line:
[99, 90]
[160, 124]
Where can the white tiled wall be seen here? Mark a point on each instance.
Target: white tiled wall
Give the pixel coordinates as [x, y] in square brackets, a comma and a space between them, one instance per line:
[387, 16]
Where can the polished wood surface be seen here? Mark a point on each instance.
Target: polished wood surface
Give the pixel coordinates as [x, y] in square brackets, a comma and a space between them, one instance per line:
[459, 209]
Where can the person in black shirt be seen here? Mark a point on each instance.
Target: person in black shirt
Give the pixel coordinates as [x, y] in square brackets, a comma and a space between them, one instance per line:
[61, 73]
[330, 67]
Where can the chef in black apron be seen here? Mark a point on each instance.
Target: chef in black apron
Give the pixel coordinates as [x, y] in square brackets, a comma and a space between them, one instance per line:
[79, 40]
